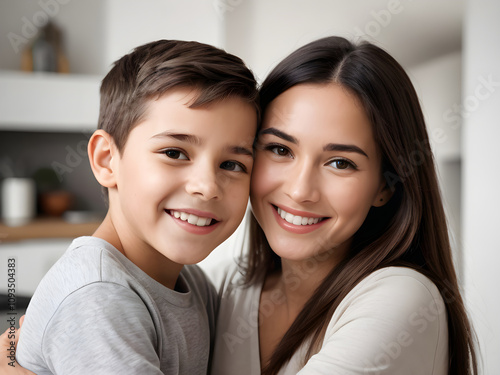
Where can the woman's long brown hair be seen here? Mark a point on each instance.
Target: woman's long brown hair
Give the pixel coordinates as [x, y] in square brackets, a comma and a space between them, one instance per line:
[410, 230]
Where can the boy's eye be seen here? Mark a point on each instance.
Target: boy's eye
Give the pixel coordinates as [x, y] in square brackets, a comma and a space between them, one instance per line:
[233, 166]
[342, 164]
[175, 154]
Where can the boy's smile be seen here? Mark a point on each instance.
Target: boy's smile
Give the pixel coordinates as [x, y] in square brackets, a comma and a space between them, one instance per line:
[200, 219]
[182, 180]
[194, 221]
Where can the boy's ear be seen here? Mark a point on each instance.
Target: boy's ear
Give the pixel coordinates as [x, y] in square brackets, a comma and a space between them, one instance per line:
[102, 150]
[384, 195]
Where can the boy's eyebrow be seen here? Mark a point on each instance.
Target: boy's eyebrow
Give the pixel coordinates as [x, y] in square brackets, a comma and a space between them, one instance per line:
[181, 137]
[280, 134]
[344, 148]
[241, 151]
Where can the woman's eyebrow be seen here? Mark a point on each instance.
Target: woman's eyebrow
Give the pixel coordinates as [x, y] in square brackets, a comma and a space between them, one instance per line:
[280, 134]
[328, 147]
[344, 148]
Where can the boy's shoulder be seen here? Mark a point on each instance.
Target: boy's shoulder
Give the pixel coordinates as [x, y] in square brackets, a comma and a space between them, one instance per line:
[87, 260]
[199, 284]
[195, 274]
[91, 260]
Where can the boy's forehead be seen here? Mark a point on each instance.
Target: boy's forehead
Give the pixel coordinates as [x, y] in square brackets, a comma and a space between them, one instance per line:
[187, 97]
[183, 95]
[171, 115]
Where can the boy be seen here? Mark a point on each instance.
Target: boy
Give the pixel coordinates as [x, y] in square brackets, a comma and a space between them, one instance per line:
[174, 151]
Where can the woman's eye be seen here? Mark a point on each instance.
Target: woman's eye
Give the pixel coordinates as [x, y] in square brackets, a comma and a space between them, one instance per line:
[342, 164]
[175, 154]
[279, 150]
[233, 166]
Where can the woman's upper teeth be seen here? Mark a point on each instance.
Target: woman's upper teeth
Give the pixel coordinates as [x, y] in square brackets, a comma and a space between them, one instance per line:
[297, 220]
[192, 219]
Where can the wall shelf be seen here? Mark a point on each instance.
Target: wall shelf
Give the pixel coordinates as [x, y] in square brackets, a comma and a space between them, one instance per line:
[48, 101]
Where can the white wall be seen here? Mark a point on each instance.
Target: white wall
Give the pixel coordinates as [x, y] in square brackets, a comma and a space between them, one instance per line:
[481, 174]
[130, 23]
[263, 32]
[439, 86]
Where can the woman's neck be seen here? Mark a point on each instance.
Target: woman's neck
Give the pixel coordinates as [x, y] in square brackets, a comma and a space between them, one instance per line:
[299, 280]
[284, 295]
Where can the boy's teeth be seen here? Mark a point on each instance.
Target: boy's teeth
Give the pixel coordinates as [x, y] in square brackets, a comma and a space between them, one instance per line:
[192, 219]
[297, 220]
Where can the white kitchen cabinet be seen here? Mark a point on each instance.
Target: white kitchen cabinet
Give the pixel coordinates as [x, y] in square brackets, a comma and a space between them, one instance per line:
[33, 258]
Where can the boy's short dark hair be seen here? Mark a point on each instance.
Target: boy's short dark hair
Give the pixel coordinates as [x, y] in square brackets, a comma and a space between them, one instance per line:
[150, 70]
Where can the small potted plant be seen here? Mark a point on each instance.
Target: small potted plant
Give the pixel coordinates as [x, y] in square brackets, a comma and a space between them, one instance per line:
[53, 199]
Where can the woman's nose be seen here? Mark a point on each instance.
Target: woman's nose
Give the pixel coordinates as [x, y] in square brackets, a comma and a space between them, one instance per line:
[303, 183]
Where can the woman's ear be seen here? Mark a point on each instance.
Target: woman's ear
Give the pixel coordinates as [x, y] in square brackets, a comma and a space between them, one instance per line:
[102, 150]
[384, 195]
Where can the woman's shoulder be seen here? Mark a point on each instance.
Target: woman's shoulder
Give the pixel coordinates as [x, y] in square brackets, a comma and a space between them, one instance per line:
[398, 277]
[399, 296]
[397, 288]
[395, 317]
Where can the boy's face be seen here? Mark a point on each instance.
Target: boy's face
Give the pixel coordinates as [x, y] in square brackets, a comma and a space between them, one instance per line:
[183, 177]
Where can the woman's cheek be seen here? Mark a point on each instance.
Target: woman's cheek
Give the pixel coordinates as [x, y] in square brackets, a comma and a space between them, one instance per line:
[351, 199]
[264, 175]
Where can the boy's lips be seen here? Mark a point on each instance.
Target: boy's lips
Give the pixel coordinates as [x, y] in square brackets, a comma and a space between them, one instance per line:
[193, 217]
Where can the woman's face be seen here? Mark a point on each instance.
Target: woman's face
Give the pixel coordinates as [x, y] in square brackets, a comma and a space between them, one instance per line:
[317, 172]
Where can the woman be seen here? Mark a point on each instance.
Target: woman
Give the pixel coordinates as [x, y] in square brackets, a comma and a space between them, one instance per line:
[350, 269]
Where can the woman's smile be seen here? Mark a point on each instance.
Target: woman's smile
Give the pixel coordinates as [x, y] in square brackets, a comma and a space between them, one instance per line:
[299, 224]
[317, 172]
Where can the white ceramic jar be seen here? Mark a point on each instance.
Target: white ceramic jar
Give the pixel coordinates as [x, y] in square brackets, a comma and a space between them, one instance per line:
[18, 201]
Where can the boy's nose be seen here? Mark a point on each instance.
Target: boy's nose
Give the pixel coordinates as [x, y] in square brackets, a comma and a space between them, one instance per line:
[203, 184]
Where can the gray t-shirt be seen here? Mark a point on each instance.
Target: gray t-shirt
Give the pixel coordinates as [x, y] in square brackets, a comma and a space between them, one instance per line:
[95, 312]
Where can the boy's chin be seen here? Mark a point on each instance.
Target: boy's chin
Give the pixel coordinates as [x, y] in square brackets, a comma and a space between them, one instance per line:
[188, 257]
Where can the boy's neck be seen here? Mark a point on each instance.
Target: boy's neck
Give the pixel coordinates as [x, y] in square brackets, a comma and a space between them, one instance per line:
[154, 264]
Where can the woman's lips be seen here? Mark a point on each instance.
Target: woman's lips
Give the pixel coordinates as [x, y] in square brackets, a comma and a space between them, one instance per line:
[296, 219]
[289, 220]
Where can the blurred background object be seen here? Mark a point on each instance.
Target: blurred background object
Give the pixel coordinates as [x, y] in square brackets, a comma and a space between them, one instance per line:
[53, 199]
[18, 201]
[45, 53]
